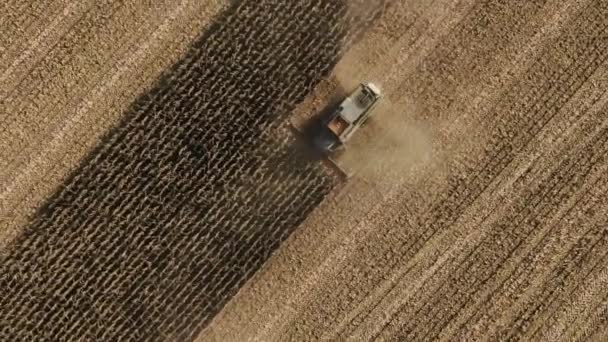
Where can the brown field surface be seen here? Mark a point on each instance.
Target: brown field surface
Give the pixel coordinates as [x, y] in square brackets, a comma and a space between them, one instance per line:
[186, 189]
[478, 206]
[68, 69]
[148, 177]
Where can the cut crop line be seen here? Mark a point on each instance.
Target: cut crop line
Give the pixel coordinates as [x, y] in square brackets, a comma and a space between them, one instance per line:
[44, 35]
[34, 66]
[494, 177]
[28, 24]
[598, 264]
[548, 298]
[472, 252]
[502, 285]
[514, 249]
[572, 120]
[122, 237]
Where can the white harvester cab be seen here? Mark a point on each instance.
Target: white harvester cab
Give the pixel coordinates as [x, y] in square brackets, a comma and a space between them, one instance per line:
[341, 124]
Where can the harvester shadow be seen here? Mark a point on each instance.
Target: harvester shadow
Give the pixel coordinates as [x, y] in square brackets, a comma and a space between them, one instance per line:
[136, 227]
[307, 131]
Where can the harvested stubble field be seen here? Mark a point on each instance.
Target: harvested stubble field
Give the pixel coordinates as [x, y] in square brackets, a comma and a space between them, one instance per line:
[500, 231]
[193, 188]
[487, 221]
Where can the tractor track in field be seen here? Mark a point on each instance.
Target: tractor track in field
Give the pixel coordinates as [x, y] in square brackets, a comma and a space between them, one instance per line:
[42, 152]
[476, 210]
[482, 242]
[193, 189]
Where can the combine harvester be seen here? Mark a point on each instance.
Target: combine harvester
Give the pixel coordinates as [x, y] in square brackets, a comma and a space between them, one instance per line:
[352, 113]
[332, 131]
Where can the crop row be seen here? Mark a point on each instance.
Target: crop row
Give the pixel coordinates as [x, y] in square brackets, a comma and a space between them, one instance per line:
[527, 107]
[537, 207]
[188, 196]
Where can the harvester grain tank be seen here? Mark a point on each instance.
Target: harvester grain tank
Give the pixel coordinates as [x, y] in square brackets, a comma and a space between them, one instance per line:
[339, 126]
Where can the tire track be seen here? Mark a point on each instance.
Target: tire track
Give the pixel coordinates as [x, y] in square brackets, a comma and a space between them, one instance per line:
[523, 279]
[563, 319]
[450, 66]
[98, 111]
[41, 45]
[448, 248]
[465, 287]
[512, 140]
[170, 157]
[521, 140]
[590, 247]
[347, 297]
[72, 93]
[437, 217]
[580, 109]
[19, 24]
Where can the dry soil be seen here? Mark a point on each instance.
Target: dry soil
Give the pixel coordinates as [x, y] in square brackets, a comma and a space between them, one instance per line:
[195, 185]
[477, 207]
[495, 225]
[68, 71]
